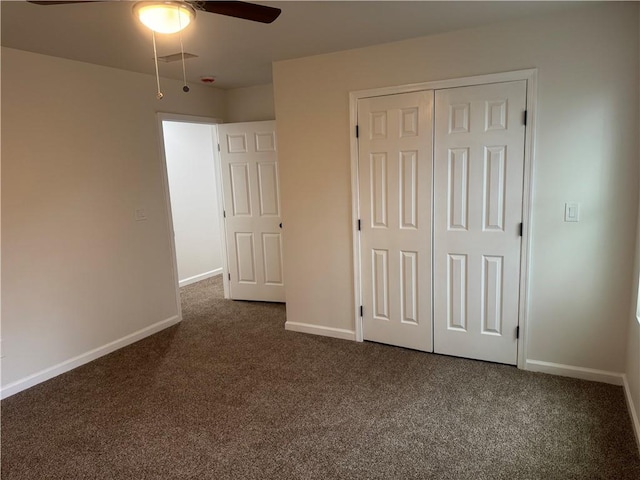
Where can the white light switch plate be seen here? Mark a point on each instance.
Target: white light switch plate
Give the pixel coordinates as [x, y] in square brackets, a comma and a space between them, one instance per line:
[572, 212]
[141, 214]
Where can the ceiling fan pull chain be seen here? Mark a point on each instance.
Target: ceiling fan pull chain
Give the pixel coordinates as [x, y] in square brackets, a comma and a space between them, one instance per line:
[185, 87]
[159, 95]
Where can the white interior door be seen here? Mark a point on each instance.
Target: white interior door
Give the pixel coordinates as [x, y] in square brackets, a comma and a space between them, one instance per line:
[395, 174]
[479, 165]
[249, 163]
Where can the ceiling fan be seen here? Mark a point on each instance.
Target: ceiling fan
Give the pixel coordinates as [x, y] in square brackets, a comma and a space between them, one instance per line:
[244, 10]
[173, 16]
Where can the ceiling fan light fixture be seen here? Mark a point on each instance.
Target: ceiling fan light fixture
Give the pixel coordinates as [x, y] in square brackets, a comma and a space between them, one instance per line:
[164, 17]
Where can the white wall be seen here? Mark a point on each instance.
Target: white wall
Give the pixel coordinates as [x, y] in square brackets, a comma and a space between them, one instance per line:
[633, 338]
[632, 368]
[80, 153]
[250, 104]
[586, 151]
[194, 199]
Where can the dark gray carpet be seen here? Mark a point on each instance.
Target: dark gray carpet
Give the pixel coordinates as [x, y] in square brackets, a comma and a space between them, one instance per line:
[229, 394]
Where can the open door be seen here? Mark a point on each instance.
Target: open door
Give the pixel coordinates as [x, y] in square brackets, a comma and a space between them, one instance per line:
[249, 165]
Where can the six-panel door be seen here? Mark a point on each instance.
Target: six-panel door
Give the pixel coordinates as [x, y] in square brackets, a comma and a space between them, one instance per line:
[395, 165]
[249, 164]
[478, 188]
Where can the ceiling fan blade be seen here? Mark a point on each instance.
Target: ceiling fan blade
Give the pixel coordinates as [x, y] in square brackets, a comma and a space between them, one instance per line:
[63, 3]
[245, 10]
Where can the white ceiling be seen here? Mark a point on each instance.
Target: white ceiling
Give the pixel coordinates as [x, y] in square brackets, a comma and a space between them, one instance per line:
[238, 52]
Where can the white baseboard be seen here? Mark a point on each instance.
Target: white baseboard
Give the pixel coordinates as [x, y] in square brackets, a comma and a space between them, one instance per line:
[87, 357]
[632, 411]
[197, 278]
[603, 376]
[320, 330]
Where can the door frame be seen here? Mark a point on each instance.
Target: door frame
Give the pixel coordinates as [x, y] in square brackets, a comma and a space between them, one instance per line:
[531, 77]
[174, 117]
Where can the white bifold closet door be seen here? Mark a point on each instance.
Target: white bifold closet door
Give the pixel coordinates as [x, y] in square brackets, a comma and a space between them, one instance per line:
[249, 164]
[478, 187]
[395, 174]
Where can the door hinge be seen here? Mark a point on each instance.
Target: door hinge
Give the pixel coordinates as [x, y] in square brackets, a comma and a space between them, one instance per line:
[361, 311]
[518, 332]
[229, 277]
[359, 225]
[218, 147]
[224, 214]
[520, 229]
[525, 118]
[357, 131]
